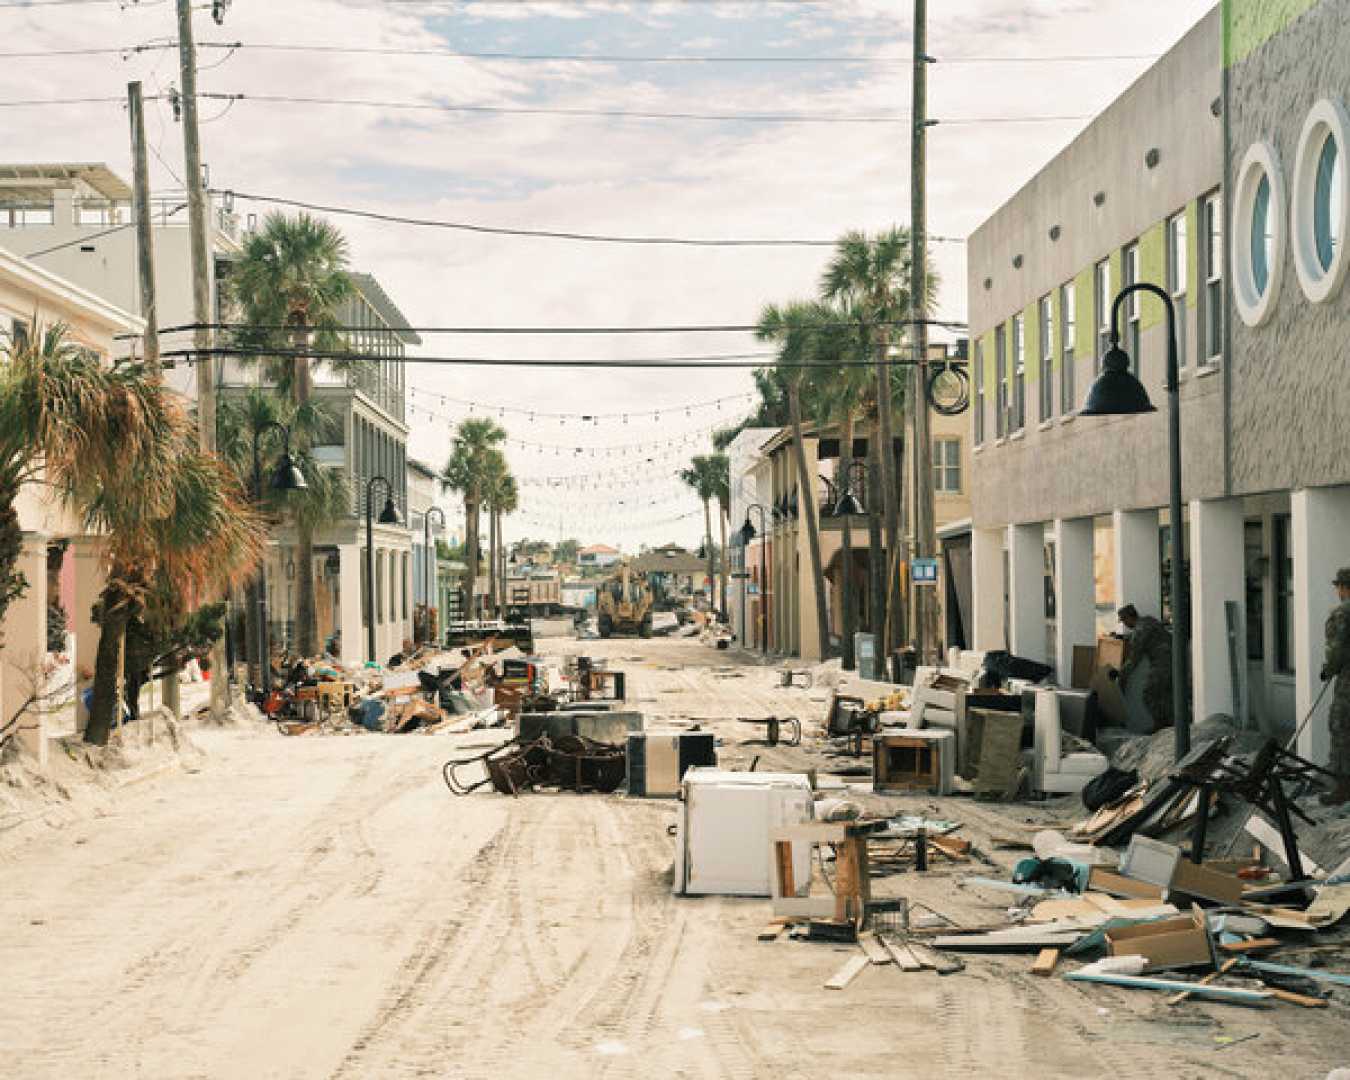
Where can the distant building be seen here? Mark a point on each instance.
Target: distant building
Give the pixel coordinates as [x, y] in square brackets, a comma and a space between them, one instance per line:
[673, 570]
[598, 557]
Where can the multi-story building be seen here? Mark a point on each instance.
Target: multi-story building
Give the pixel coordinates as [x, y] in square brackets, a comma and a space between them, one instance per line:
[773, 606]
[61, 563]
[423, 486]
[598, 557]
[1238, 132]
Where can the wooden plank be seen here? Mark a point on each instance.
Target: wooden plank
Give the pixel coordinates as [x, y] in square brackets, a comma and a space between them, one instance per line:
[847, 973]
[1254, 945]
[930, 958]
[874, 948]
[900, 953]
[787, 885]
[773, 930]
[1119, 885]
[1045, 963]
[1177, 999]
[1200, 989]
[1299, 999]
[954, 848]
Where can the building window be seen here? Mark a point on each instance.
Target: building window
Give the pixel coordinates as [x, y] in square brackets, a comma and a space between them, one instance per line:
[1258, 213]
[1019, 373]
[1129, 261]
[1211, 295]
[1284, 595]
[947, 466]
[1000, 382]
[1047, 384]
[1175, 271]
[1321, 200]
[1101, 292]
[1068, 333]
[979, 393]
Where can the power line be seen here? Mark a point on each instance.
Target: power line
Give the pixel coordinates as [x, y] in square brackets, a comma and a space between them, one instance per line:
[546, 234]
[698, 328]
[588, 418]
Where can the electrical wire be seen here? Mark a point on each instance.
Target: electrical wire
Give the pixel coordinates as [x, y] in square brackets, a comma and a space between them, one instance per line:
[545, 234]
[704, 328]
[78, 240]
[635, 414]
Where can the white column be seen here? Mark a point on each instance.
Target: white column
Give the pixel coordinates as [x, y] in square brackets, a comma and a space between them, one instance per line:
[1218, 574]
[1075, 592]
[986, 589]
[91, 575]
[1026, 591]
[1138, 568]
[349, 604]
[1319, 530]
[24, 634]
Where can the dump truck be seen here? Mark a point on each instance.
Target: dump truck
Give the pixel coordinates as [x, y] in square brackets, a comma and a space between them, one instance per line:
[624, 604]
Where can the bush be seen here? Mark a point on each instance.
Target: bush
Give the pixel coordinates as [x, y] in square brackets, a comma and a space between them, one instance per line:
[56, 627]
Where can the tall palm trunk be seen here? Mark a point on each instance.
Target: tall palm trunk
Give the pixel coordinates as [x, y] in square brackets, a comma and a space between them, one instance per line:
[722, 520]
[847, 621]
[876, 554]
[252, 635]
[306, 616]
[471, 554]
[708, 540]
[115, 608]
[809, 513]
[495, 596]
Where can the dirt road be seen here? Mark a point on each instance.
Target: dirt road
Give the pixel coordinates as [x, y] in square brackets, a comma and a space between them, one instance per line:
[322, 908]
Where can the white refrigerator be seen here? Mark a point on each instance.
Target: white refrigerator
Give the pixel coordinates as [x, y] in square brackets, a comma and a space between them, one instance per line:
[722, 843]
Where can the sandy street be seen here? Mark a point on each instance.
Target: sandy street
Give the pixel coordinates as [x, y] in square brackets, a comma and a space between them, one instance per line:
[322, 907]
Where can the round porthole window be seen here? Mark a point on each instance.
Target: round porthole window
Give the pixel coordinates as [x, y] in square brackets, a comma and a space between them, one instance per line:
[1259, 236]
[1321, 210]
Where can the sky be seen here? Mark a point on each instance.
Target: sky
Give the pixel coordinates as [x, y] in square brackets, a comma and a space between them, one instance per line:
[611, 479]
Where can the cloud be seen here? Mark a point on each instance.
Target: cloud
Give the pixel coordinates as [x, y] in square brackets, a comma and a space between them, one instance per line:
[601, 175]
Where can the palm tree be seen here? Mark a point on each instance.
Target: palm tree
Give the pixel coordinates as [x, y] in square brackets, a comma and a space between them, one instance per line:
[195, 529]
[871, 275]
[501, 497]
[291, 283]
[466, 472]
[798, 328]
[326, 497]
[76, 423]
[701, 475]
[721, 483]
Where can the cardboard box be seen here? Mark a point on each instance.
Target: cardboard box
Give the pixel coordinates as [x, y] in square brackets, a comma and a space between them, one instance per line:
[1166, 943]
[1084, 664]
[1205, 883]
[1111, 652]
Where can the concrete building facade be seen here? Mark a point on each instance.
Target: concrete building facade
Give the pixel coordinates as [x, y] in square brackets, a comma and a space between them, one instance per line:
[1166, 186]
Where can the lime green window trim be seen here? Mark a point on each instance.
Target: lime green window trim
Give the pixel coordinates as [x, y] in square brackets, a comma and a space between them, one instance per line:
[1192, 252]
[1084, 324]
[1249, 24]
[1031, 320]
[1153, 269]
[1117, 273]
[987, 351]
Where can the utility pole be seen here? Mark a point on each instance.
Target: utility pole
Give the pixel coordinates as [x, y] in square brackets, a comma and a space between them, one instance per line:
[145, 261]
[201, 293]
[926, 602]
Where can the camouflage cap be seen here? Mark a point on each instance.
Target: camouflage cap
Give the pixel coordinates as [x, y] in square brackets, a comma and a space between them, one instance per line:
[1343, 577]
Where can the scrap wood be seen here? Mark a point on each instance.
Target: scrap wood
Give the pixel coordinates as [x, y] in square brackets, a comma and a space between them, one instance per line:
[1045, 962]
[1252, 945]
[875, 948]
[1316, 974]
[1298, 999]
[846, 974]
[929, 958]
[955, 848]
[900, 953]
[1177, 999]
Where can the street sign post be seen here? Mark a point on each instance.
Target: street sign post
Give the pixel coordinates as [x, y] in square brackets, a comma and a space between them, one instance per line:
[924, 571]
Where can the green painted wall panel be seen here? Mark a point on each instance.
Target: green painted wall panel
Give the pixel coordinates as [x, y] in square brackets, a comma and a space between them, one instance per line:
[1152, 268]
[1084, 328]
[1248, 24]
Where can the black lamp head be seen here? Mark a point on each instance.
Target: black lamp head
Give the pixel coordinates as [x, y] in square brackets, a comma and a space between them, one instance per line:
[1116, 392]
[847, 505]
[287, 475]
[389, 515]
[747, 530]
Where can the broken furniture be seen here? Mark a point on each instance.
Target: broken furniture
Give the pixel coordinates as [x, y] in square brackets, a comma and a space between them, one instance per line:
[917, 760]
[722, 832]
[592, 682]
[602, 725]
[791, 889]
[1055, 771]
[658, 760]
[570, 762]
[773, 728]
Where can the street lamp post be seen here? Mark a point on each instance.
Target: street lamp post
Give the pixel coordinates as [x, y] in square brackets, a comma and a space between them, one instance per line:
[747, 534]
[1118, 393]
[430, 557]
[388, 516]
[286, 477]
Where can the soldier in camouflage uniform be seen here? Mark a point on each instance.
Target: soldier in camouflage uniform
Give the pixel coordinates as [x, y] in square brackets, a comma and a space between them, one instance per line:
[1337, 667]
[1148, 638]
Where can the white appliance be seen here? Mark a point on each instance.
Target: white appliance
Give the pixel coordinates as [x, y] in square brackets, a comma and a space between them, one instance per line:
[722, 834]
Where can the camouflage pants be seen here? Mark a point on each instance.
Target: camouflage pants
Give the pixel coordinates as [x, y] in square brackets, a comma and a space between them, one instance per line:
[1340, 728]
[1157, 697]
